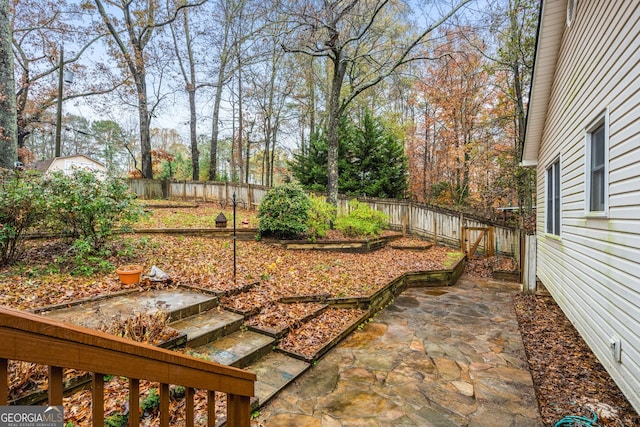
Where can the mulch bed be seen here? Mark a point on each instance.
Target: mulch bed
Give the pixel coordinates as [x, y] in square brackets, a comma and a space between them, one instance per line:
[313, 335]
[278, 317]
[568, 378]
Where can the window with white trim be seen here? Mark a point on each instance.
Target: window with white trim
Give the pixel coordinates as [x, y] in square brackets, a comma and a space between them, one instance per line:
[553, 198]
[597, 167]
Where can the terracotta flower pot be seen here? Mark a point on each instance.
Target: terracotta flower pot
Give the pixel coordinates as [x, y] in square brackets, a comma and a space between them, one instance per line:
[129, 274]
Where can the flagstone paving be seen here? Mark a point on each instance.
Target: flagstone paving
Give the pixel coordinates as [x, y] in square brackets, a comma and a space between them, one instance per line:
[435, 357]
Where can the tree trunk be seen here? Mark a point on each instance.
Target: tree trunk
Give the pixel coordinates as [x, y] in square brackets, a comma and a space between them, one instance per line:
[240, 123]
[195, 154]
[248, 153]
[267, 148]
[145, 123]
[333, 138]
[213, 166]
[425, 159]
[8, 114]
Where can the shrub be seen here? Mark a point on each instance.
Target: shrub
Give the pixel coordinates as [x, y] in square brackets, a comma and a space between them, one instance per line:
[116, 420]
[362, 221]
[89, 208]
[284, 212]
[21, 206]
[321, 217]
[142, 327]
[150, 403]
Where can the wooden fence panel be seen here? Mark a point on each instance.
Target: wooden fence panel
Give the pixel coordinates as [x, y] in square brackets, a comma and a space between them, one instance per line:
[421, 220]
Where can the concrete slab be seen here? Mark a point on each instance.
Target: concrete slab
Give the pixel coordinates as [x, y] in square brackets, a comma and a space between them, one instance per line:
[178, 302]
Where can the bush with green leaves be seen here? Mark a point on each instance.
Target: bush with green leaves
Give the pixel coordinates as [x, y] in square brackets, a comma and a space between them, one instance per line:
[116, 420]
[322, 215]
[21, 207]
[88, 207]
[151, 402]
[362, 221]
[284, 211]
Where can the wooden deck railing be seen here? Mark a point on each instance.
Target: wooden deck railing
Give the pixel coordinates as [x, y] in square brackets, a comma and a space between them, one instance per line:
[32, 338]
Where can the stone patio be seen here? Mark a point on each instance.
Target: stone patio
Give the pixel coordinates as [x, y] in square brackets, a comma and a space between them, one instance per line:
[436, 357]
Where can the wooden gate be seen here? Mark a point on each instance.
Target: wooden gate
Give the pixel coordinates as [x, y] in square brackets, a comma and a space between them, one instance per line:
[469, 246]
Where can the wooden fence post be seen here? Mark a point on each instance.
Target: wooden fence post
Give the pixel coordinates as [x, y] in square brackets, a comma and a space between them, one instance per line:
[435, 229]
[490, 251]
[463, 240]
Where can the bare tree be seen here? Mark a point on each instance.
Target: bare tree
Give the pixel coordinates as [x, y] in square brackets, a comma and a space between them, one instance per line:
[359, 40]
[40, 29]
[187, 63]
[131, 33]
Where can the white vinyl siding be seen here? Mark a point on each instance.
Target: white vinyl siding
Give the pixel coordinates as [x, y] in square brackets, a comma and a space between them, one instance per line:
[593, 272]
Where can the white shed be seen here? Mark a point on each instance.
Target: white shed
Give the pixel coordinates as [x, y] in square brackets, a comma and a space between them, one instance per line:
[583, 137]
[67, 164]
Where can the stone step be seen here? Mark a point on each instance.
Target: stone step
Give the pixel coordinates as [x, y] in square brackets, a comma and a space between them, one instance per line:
[274, 371]
[208, 326]
[177, 303]
[238, 349]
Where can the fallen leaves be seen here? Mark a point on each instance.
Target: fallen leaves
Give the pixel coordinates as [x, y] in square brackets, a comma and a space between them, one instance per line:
[568, 378]
[278, 317]
[207, 263]
[313, 335]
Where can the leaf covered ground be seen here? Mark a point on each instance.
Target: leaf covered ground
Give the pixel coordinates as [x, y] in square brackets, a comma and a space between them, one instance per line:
[567, 376]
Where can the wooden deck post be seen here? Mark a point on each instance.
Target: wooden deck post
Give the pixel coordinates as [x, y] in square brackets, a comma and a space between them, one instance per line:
[134, 402]
[164, 405]
[189, 409]
[97, 400]
[238, 410]
[55, 386]
[4, 382]
[211, 409]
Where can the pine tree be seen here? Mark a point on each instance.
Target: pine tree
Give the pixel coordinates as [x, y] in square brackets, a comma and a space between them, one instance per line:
[310, 167]
[372, 161]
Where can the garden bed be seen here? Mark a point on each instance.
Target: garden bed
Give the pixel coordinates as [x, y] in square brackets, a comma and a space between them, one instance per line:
[277, 319]
[314, 338]
[341, 245]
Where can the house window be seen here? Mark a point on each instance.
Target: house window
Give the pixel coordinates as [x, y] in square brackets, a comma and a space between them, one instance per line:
[553, 198]
[597, 166]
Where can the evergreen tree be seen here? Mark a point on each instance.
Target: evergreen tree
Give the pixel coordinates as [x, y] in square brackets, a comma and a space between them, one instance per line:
[375, 164]
[310, 167]
[371, 160]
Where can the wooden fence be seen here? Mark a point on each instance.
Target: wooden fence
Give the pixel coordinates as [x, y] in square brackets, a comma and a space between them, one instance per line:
[442, 226]
[432, 223]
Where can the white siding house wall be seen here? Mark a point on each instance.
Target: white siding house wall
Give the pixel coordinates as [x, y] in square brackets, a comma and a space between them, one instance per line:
[593, 268]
